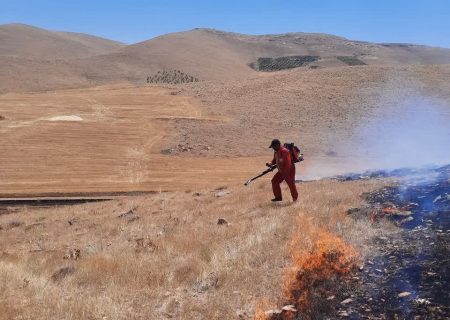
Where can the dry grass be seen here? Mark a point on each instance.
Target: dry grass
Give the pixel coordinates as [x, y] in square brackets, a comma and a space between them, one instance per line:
[174, 260]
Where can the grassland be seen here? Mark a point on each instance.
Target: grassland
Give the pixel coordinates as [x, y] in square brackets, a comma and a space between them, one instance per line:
[164, 255]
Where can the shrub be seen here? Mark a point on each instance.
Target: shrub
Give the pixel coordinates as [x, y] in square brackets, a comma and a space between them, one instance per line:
[171, 77]
[282, 63]
[351, 61]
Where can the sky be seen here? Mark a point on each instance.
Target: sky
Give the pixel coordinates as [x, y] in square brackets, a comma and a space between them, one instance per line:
[130, 21]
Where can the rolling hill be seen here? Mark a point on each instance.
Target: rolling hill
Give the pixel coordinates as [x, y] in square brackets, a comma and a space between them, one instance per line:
[34, 59]
[24, 41]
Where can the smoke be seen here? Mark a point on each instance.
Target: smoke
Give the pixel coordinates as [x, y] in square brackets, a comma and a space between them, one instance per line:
[415, 133]
[411, 134]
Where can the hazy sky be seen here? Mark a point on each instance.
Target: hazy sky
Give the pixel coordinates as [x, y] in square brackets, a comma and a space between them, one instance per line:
[413, 21]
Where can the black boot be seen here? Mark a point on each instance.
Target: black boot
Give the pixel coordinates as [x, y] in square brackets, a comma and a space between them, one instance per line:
[277, 199]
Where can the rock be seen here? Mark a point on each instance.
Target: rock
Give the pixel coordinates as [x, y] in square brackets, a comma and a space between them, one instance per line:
[223, 193]
[222, 221]
[405, 220]
[145, 243]
[343, 313]
[404, 294]
[14, 224]
[346, 301]
[126, 214]
[61, 273]
[25, 283]
[352, 210]
[130, 215]
[241, 314]
[167, 151]
[72, 221]
[422, 301]
[92, 248]
[289, 308]
[210, 281]
[442, 198]
[134, 218]
[73, 254]
[197, 194]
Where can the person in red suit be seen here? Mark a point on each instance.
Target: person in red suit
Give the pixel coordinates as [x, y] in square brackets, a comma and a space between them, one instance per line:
[286, 171]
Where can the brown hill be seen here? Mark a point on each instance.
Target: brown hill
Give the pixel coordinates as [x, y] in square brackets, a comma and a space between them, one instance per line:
[19, 74]
[216, 55]
[19, 40]
[201, 53]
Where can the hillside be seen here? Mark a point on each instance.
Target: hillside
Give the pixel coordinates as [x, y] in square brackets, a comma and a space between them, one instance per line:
[55, 60]
[23, 41]
[216, 55]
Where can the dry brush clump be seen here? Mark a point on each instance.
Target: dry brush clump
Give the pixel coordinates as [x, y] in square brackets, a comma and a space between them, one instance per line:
[351, 60]
[171, 77]
[282, 63]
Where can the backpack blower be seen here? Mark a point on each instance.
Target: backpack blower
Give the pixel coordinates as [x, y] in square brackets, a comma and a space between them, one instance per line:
[296, 157]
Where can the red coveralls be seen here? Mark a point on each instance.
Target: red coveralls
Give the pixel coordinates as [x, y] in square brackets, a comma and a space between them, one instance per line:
[286, 172]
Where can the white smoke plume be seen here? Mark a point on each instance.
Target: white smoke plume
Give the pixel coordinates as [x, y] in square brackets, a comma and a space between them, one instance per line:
[411, 134]
[415, 133]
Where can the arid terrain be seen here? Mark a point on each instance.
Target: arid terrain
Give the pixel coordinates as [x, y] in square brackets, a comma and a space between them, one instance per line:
[104, 139]
[183, 120]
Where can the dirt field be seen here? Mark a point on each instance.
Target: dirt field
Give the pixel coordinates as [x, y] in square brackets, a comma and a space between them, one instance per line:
[103, 139]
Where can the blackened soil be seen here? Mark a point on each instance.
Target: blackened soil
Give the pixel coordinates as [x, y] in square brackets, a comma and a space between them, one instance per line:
[409, 277]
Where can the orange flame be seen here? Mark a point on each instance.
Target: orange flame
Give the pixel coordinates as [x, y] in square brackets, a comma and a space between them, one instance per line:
[318, 259]
[328, 258]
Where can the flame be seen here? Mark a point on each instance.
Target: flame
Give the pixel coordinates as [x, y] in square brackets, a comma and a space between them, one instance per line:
[319, 258]
[328, 258]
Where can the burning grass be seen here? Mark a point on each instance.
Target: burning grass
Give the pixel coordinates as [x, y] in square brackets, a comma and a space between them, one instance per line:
[318, 265]
[317, 270]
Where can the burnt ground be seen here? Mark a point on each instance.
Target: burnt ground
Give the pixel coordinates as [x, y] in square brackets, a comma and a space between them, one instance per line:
[409, 275]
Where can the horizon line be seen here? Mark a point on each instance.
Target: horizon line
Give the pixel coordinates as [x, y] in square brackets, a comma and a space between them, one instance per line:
[218, 30]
